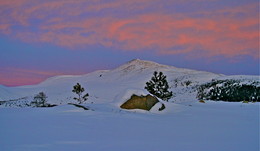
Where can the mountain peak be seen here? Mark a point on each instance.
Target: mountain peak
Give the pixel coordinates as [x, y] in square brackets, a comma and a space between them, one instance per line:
[135, 60]
[137, 64]
[140, 62]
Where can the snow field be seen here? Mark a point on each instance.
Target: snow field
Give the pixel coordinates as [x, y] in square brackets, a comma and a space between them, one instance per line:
[211, 126]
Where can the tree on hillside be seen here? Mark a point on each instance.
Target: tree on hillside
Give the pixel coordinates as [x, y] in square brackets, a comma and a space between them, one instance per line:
[79, 91]
[159, 87]
[39, 100]
[229, 90]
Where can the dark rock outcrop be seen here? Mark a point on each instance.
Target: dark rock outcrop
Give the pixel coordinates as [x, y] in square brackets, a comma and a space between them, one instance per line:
[140, 102]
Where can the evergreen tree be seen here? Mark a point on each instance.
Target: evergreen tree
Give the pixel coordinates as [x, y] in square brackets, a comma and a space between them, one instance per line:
[79, 90]
[39, 100]
[158, 86]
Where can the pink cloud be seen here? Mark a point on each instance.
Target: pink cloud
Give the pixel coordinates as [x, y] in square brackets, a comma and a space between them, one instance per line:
[17, 76]
[77, 24]
[5, 28]
[21, 76]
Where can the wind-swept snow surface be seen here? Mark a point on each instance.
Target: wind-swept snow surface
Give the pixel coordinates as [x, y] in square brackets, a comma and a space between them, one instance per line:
[214, 126]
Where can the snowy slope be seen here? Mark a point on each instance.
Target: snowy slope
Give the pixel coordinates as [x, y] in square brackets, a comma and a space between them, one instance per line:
[114, 86]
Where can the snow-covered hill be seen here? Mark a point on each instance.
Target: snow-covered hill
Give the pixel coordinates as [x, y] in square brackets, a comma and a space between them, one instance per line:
[115, 86]
[184, 125]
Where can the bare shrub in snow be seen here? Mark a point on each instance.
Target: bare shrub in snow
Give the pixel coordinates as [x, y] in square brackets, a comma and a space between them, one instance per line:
[39, 100]
[79, 91]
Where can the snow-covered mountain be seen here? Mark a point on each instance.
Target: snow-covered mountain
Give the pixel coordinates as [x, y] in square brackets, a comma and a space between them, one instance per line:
[115, 86]
[183, 125]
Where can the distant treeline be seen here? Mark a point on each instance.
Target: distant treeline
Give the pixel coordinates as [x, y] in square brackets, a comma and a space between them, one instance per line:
[229, 90]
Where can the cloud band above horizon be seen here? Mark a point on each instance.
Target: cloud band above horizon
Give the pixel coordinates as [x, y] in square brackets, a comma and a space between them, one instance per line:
[209, 27]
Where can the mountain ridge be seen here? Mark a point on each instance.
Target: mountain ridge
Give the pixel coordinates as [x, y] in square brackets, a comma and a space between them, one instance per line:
[114, 86]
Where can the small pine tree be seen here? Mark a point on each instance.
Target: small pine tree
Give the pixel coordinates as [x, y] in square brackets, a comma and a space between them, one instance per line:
[79, 90]
[39, 100]
[158, 86]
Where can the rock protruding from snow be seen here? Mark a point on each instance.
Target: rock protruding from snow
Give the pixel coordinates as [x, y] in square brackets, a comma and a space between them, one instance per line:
[140, 102]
